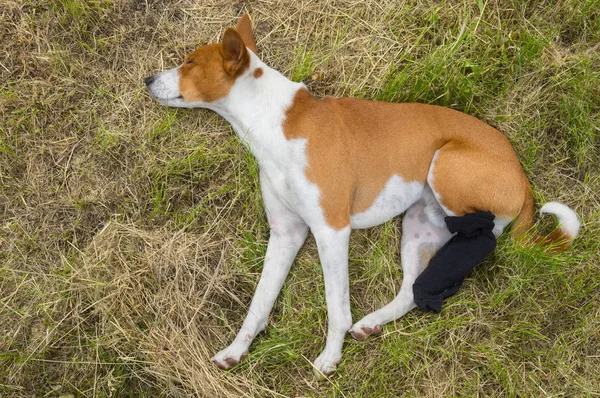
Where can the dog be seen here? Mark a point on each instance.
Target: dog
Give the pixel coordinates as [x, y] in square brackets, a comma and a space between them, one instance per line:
[331, 165]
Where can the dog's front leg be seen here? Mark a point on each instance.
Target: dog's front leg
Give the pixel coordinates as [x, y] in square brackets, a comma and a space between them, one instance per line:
[333, 252]
[288, 233]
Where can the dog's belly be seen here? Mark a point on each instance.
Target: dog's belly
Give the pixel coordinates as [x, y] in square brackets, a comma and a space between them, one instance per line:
[394, 199]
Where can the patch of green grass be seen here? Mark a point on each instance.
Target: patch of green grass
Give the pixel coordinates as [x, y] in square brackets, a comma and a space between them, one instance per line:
[76, 9]
[463, 65]
[303, 67]
[577, 89]
[105, 139]
[5, 147]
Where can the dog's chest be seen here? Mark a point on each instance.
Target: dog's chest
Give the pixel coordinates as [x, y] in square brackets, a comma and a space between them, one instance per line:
[285, 173]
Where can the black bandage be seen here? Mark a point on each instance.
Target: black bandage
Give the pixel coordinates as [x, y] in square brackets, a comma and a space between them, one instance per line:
[447, 270]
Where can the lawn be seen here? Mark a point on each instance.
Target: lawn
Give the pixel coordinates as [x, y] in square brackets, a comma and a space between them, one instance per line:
[132, 235]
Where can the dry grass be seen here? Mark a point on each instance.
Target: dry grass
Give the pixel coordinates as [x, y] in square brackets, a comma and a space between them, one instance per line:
[132, 235]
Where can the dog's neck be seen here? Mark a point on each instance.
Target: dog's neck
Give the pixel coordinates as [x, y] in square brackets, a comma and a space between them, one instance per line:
[257, 103]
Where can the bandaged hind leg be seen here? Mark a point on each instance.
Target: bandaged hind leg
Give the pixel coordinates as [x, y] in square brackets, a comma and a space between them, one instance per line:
[420, 240]
[473, 241]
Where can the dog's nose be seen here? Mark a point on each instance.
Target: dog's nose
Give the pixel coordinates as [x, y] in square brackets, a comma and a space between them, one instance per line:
[149, 80]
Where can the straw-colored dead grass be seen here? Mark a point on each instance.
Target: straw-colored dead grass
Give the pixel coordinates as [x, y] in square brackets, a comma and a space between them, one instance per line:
[132, 236]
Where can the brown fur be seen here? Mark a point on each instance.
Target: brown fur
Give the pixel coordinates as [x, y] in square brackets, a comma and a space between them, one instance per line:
[258, 72]
[355, 147]
[208, 73]
[477, 169]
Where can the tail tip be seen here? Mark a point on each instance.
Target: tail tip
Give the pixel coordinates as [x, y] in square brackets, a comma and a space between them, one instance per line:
[568, 221]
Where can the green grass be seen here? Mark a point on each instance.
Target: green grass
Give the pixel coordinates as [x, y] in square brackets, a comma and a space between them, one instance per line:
[132, 235]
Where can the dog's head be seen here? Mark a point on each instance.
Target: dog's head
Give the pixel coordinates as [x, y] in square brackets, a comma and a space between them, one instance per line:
[208, 73]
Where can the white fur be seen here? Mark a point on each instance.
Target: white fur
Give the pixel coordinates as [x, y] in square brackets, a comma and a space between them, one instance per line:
[430, 182]
[394, 199]
[567, 219]
[165, 88]
[288, 232]
[333, 253]
[433, 209]
[499, 225]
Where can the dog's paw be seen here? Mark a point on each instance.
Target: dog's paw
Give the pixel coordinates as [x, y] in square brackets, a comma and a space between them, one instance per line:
[326, 364]
[362, 329]
[230, 356]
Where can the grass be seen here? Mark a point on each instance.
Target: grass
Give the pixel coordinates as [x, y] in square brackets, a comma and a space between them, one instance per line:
[132, 235]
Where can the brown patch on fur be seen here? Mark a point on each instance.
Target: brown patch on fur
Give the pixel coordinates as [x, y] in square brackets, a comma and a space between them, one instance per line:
[204, 79]
[355, 146]
[258, 72]
[213, 69]
[426, 253]
[558, 240]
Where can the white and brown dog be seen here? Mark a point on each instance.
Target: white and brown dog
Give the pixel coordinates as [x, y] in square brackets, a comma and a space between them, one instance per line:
[334, 164]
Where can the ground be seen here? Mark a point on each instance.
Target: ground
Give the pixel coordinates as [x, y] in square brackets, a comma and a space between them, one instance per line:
[132, 235]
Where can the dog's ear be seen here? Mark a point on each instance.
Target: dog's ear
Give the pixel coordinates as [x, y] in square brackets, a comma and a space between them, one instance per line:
[233, 50]
[244, 28]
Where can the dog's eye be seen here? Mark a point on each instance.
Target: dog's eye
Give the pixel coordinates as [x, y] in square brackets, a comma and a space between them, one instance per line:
[189, 61]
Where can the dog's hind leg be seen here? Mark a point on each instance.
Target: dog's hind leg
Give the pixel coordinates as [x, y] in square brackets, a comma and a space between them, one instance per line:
[421, 239]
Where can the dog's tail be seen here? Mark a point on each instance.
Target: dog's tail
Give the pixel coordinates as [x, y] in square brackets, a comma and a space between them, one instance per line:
[559, 240]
